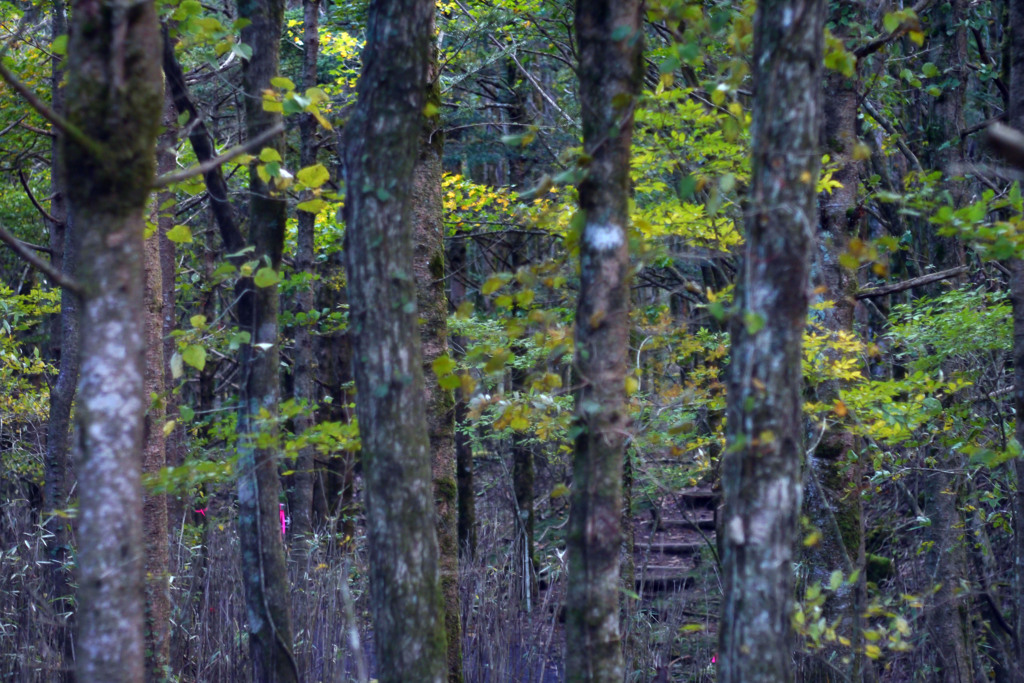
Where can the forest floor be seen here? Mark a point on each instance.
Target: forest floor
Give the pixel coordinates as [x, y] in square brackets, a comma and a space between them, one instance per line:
[671, 632]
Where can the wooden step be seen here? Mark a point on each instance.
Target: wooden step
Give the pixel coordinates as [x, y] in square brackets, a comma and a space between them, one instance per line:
[672, 547]
[658, 580]
[697, 498]
[670, 523]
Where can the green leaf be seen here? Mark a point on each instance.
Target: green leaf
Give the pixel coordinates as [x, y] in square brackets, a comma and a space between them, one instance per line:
[242, 50]
[312, 206]
[265, 277]
[559, 491]
[180, 234]
[753, 321]
[493, 284]
[443, 365]
[59, 46]
[195, 356]
[198, 321]
[269, 154]
[313, 176]
[282, 82]
[450, 382]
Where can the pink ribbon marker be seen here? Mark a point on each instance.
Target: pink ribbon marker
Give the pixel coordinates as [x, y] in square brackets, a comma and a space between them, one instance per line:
[283, 521]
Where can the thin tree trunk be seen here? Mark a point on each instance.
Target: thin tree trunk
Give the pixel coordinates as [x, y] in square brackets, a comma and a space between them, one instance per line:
[264, 571]
[380, 154]
[1016, 119]
[154, 453]
[154, 458]
[761, 464]
[115, 93]
[610, 36]
[301, 492]
[63, 250]
[463, 446]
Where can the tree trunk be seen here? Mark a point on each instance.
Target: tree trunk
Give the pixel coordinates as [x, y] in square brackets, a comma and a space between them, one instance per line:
[63, 249]
[609, 74]
[832, 499]
[115, 94]
[761, 464]
[154, 453]
[301, 493]
[463, 447]
[380, 153]
[264, 571]
[1016, 119]
[428, 268]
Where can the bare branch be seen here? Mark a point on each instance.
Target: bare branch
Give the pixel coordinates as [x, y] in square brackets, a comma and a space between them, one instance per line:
[24, 183]
[44, 267]
[236, 151]
[874, 292]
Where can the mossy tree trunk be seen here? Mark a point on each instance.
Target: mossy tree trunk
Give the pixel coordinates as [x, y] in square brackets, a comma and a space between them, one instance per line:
[381, 147]
[610, 36]
[429, 270]
[264, 572]
[761, 464]
[114, 96]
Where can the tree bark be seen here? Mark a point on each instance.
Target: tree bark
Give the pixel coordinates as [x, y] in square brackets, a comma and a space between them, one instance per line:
[1016, 120]
[264, 571]
[301, 493]
[429, 271]
[115, 93]
[64, 256]
[832, 499]
[380, 153]
[154, 458]
[761, 464]
[610, 71]
[456, 274]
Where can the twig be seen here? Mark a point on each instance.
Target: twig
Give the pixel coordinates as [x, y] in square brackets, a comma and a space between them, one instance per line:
[236, 151]
[910, 284]
[891, 130]
[24, 183]
[44, 267]
[529, 76]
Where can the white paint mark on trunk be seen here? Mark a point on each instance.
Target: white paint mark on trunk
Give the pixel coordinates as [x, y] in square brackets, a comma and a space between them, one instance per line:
[603, 237]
